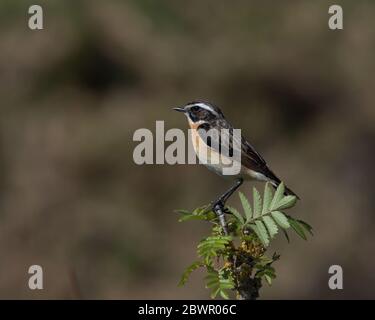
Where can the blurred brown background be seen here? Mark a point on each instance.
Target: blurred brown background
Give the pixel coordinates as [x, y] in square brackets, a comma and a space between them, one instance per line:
[73, 201]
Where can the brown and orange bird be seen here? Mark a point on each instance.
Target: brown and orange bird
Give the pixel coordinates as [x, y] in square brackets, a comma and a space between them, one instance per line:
[203, 116]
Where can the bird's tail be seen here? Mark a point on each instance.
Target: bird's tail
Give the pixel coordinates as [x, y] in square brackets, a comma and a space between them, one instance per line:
[287, 191]
[275, 181]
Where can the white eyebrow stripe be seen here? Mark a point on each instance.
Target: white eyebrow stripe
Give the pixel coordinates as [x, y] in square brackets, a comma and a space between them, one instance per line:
[205, 106]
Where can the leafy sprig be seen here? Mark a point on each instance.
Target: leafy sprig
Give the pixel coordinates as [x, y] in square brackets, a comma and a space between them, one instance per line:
[242, 268]
[267, 215]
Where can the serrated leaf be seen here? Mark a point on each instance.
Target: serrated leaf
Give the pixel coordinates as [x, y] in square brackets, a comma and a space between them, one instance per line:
[267, 198]
[257, 232]
[286, 202]
[306, 226]
[218, 284]
[185, 276]
[286, 235]
[261, 232]
[297, 228]
[279, 193]
[280, 219]
[209, 247]
[246, 206]
[271, 226]
[238, 215]
[257, 203]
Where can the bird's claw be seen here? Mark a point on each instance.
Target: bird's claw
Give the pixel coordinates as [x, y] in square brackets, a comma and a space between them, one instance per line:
[226, 210]
[218, 205]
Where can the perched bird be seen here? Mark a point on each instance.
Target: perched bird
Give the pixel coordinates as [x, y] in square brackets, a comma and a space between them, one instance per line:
[203, 116]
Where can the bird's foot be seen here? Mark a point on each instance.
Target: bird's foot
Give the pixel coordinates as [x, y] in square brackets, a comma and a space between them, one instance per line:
[226, 210]
[218, 205]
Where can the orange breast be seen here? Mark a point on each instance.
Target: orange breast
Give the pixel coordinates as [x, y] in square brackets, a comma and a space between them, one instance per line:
[194, 125]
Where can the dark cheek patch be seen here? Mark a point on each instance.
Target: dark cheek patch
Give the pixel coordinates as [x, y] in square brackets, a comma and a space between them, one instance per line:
[193, 116]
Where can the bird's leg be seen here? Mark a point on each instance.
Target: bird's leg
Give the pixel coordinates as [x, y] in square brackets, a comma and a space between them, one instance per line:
[225, 196]
[219, 205]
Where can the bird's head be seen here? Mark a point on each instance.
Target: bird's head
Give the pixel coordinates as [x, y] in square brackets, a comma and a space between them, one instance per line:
[199, 112]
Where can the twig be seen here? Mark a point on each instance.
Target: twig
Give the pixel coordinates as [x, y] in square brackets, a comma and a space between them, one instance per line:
[246, 286]
[219, 210]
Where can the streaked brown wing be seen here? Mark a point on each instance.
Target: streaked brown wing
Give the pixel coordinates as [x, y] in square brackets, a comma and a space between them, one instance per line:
[224, 139]
[250, 158]
[253, 160]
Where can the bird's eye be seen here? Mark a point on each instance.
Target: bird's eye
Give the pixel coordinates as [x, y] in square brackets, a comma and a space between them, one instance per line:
[194, 108]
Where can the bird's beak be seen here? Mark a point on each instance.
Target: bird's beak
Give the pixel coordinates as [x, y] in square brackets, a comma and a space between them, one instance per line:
[180, 109]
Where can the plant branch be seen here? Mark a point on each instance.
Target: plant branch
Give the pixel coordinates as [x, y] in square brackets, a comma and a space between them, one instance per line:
[241, 266]
[219, 210]
[247, 287]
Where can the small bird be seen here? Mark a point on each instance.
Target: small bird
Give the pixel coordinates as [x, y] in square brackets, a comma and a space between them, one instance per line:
[206, 116]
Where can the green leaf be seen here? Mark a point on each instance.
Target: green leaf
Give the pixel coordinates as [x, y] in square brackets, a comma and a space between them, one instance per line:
[306, 226]
[226, 284]
[183, 211]
[261, 232]
[286, 235]
[280, 219]
[279, 193]
[218, 283]
[215, 293]
[246, 206]
[188, 217]
[286, 202]
[210, 247]
[185, 276]
[271, 226]
[257, 203]
[212, 279]
[297, 228]
[267, 272]
[201, 213]
[270, 271]
[267, 198]
[237, 214]
[202, 209]
[224, 295]
[265, 260]
[268, 279]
